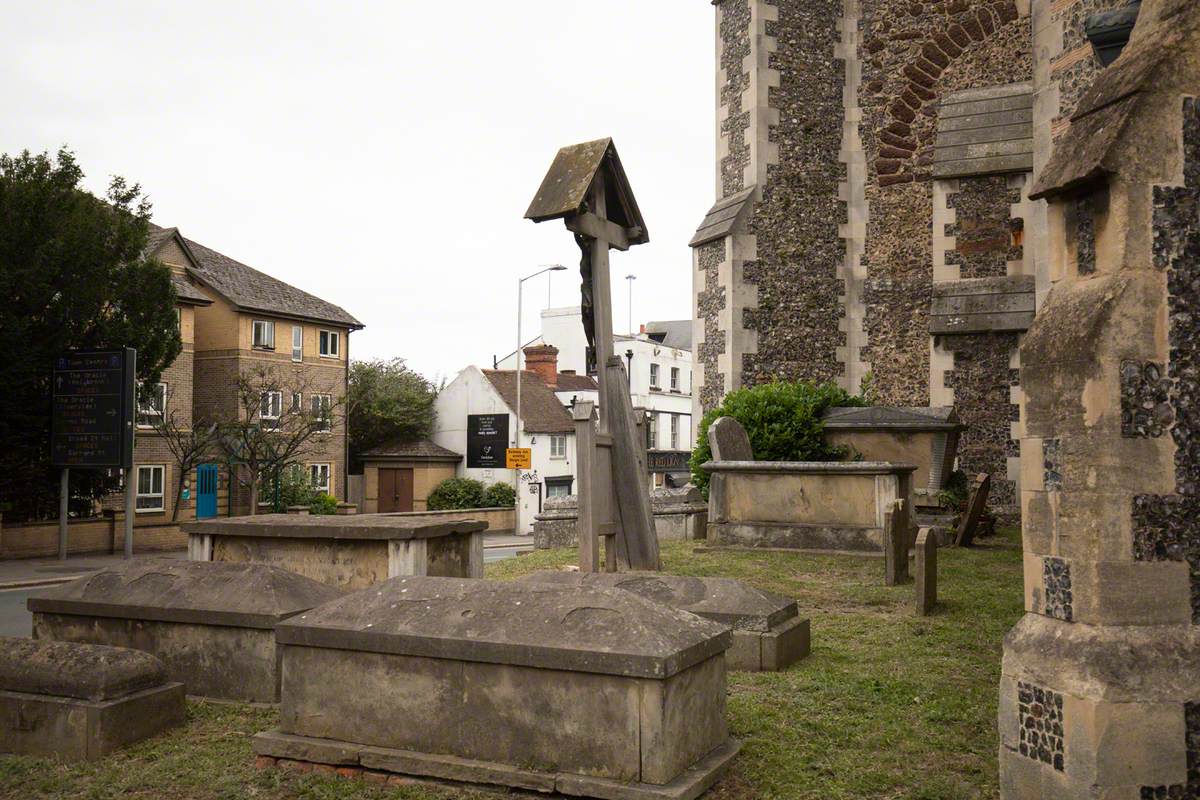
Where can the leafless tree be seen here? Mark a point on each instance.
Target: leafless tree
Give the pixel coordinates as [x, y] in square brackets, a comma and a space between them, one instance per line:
[272, 432]
[191, 442]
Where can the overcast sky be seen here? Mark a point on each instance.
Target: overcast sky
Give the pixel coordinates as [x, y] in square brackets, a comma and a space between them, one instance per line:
[381, 155]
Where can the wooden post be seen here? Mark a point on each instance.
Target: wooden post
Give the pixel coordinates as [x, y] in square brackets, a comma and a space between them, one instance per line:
[926, 585]
[586, 523]
[64, 496]
[601, 303]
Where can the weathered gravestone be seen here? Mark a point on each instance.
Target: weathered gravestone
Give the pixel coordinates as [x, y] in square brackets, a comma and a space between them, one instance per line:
[81, 701]
[768, 632]
[927, 571]
[896, 535]
[728, 440]
[569, 689]
[212, 624]
[976, 505]
[586, 187]
[1100, 683]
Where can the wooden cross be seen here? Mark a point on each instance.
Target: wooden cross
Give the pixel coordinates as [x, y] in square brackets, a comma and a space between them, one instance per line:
[586, 187]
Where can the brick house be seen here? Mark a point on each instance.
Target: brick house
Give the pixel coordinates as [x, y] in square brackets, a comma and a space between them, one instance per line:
[233, 319]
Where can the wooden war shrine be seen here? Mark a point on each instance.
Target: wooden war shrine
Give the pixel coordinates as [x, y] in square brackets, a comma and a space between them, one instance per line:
[586, 187]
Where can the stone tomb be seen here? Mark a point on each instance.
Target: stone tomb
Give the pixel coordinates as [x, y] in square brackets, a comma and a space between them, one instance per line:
[802, 505]
[213, 625]
[768, 632]
[80, 701]
[578, 690]
[352, 551]
[679, 515]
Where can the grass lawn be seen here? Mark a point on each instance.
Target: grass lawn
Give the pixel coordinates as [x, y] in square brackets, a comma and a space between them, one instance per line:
[889, 705]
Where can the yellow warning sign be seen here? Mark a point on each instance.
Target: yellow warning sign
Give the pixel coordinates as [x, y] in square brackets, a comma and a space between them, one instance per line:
[518, 458]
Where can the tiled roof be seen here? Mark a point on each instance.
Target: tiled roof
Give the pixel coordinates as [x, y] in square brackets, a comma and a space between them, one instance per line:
[421, 450]
[188, 293]
[723, 217]
[541, 411]
[573, 383]
[253, 290]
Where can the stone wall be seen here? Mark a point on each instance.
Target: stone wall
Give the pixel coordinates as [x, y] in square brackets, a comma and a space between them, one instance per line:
[710, 302]
[913, 54]
[796, 223]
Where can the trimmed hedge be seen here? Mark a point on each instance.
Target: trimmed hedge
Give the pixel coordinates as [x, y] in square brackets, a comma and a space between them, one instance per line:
[782, 420]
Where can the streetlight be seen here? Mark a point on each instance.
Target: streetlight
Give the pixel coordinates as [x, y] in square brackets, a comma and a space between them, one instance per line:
[631, 278]
[517, 472]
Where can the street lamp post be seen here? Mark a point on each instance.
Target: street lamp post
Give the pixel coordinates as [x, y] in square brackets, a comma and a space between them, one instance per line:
[517, 374]
[631, 278]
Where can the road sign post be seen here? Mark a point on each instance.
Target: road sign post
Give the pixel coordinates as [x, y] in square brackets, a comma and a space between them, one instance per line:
[91, 424]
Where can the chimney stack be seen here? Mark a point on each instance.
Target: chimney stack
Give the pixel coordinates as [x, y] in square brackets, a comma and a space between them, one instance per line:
[542, 360]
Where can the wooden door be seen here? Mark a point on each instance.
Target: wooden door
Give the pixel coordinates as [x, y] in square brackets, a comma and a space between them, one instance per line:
[395, 490]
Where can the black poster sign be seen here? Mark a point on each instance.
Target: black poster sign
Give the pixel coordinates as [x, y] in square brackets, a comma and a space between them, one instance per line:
[91, 421]
[487, 439]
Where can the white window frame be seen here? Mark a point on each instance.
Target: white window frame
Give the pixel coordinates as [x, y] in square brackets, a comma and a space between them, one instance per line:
[161, 494]
[314, 472]
[652, 431]
[297, 348]
[329, 344]
[268, 326]
[654, 376]
[674, 431]
[297, 402]
[556, 484]
[266, 402]
[674, 379]
[558, 445]
[144, 410]
[319, 403]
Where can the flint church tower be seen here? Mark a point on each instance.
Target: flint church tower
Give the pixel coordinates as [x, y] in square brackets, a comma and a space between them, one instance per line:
[872, 224]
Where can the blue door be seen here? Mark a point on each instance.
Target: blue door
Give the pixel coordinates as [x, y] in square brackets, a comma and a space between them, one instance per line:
[206, 491]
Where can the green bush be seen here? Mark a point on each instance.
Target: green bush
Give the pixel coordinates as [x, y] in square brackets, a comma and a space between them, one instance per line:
[500, 495]
[782, 420]
[323, 504]
[294, 489]
[455, 493]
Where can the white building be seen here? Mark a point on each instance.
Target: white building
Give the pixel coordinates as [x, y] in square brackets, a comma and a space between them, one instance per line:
[548, 429]
[659, 359]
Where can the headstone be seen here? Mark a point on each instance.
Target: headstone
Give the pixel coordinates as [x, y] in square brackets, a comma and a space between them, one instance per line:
[927, 577]
[728, 440]
[81, 701]
[211, 624]
[895, 544]
[969, 525]
[768, 632]
[575, 690]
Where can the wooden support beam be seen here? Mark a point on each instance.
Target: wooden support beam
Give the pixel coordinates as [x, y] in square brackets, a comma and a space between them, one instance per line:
[588, 224]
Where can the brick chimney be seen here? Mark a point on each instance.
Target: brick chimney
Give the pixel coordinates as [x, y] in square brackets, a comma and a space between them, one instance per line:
[542, 360]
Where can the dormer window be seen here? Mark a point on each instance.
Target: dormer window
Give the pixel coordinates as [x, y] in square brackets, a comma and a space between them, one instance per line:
[263, 335]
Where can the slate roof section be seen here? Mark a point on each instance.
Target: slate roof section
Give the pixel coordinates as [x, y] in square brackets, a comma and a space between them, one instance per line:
[252, 290]
[421, 450]
[724, 217]
[985, 131]
[541, 410]
[568, 382]
[564, 189]
[676, 333]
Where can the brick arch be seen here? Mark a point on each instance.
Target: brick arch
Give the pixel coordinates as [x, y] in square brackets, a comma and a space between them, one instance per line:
[897, 159]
